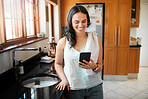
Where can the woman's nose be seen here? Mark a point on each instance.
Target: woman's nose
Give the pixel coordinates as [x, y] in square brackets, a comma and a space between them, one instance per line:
[80, 24]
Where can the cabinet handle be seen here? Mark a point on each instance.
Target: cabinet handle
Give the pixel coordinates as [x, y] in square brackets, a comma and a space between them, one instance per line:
[115, 34]
[119, 37]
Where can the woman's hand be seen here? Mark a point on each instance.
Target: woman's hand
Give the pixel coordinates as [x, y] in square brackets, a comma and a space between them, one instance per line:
[88, 65]
[62, 85]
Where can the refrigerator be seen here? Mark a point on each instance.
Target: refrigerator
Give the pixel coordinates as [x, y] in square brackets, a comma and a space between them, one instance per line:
[96, 12]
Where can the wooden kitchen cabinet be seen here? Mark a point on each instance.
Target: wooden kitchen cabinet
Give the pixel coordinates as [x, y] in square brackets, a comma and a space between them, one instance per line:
[122, 61]
[110, 61]
[135, 13]
[117, 43]
[118, 23]
[116, 61]
[134, 58]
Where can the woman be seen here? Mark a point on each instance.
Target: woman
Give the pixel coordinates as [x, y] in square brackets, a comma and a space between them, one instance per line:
[82, 80]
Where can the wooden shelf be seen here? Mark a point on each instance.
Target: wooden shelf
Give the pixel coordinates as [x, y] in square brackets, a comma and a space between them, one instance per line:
[135, 13]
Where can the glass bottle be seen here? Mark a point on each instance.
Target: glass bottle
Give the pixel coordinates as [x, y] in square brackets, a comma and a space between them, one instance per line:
[45, 51]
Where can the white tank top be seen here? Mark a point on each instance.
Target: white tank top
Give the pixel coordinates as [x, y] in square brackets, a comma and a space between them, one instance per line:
[78, 77]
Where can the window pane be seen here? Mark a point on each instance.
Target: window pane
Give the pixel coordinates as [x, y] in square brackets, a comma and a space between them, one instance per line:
[30, 11]
[13, 28]
[30, 1]
[30, 28]
[12, 9]
[27, 27]
[17, 28]
[8, 26]
[7, 8]
[29, 18]
[20, 34]
[19, 9]
[27, 10]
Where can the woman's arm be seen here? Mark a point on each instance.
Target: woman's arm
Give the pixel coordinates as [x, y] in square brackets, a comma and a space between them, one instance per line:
[99, 62]
[59, 64]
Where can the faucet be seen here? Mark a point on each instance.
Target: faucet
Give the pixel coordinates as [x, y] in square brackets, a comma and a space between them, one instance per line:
[23, 49]
[13, 57]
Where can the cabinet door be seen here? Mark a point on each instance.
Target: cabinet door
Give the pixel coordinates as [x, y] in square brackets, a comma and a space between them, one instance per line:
[110, 61]
[122, 61]
[111, 9]
[134, 56]
[124, 15]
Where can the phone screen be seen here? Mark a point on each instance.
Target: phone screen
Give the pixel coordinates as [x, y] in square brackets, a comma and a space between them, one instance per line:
[84, 56]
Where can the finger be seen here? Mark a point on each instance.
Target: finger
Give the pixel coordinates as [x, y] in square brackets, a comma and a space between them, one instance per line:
[92, 60]
[86, 61]
[57, 86]
[84, 66]
[68, 87]
[63, 87]
[81, 63]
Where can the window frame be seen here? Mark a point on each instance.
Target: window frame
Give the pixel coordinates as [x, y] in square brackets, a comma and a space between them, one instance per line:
[24, 38]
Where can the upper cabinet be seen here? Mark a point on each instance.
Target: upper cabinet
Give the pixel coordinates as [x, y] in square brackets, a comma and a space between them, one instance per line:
[117, 23]
[135, 12]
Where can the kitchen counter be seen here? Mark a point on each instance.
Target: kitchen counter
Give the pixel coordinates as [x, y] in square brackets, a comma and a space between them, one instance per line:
[14, 90]
[135, 46]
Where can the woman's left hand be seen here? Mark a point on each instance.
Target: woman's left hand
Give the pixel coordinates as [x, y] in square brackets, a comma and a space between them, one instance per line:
[88, 65]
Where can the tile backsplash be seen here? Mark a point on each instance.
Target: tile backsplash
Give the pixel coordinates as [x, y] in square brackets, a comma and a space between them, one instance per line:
[133, 32]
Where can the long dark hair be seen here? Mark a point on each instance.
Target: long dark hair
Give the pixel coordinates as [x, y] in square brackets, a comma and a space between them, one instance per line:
[69, 31]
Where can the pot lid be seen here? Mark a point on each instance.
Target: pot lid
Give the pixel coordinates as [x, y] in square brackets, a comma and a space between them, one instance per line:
[39, 81]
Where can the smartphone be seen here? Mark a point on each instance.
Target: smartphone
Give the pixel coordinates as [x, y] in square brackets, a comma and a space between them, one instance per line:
[84, 56]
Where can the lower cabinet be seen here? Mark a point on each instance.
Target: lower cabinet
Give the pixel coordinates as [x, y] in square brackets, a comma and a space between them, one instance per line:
[122, 61]
[110, 61]
[116, 61]
[134, 58]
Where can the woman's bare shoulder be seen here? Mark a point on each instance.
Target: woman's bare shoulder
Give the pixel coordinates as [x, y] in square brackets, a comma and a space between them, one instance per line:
[62, 42]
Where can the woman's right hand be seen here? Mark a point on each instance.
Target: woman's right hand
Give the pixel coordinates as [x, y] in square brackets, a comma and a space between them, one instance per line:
[62, 85]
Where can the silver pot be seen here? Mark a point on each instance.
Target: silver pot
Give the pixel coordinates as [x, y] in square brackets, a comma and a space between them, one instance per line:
[41, 86]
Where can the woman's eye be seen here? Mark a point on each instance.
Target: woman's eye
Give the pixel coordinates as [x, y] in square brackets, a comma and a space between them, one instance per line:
[76, 22]
[84, 21]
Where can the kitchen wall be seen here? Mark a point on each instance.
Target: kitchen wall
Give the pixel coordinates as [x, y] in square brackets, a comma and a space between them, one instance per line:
[142, 32]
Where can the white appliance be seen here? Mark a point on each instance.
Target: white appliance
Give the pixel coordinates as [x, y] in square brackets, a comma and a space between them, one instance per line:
[96, 19]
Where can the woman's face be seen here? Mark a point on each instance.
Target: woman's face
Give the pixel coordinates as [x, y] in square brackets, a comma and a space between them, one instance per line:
[79, 22]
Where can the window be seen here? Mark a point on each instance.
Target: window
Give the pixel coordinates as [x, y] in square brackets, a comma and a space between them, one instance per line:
[19, 19]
